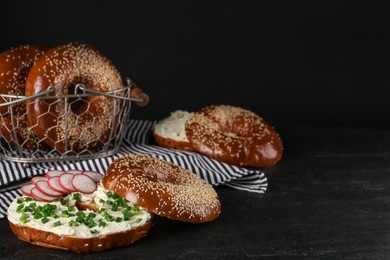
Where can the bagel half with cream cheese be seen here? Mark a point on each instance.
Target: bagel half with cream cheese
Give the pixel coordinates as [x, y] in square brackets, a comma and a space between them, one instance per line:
[79, 222]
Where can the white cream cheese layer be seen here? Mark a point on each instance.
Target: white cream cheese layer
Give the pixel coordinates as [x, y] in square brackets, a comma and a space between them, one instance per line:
[71, 225]
[173, 127]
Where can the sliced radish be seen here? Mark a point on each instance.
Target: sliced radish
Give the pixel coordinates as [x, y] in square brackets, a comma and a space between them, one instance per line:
[83, 183]
[66, 181]
[43, 187]
[26, 189]
[36, 194]
[54, 173]
[54, 184]
[94, 175]
[38, 178]
[74, 171]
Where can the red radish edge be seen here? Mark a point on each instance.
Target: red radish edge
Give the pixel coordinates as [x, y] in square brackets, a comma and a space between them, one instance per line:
[53, 173]
[66, 181]
[38, 178]
[54, 183]
[74, 171]
[83, 183]
[94, 175]
[43, 187]
[57, 183]
[36, 194]
[26, 189]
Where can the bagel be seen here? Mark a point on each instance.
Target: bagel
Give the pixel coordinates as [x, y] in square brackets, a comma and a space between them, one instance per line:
[163, 188]
[15, 65]
[234, 135]
[89, 122]
[170, 131]
[70, 224]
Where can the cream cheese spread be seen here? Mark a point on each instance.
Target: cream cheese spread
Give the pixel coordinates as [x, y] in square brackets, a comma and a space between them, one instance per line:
[173, 127]
[63, 218]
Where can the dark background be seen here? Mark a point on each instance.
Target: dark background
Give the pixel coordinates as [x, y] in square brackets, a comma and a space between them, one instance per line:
[294, 63]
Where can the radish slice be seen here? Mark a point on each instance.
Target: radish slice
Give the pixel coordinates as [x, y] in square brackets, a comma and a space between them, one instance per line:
[43, 187]
[74, 171]
[26, 189]
[36, 194]
[83, 183]
[54, 184]
[66, 181]
[54, 173]
[35, 179]
[94, 175]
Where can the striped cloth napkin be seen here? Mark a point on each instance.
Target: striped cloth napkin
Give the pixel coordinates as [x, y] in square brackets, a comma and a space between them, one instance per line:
[136, 141]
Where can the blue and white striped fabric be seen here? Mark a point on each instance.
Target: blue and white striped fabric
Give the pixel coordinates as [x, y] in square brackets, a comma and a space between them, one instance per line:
[137, 141]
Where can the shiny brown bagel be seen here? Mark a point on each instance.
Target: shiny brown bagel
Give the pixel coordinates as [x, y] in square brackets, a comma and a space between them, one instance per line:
[234, 135]
[163, 188]
[87, 123]
[15, 65]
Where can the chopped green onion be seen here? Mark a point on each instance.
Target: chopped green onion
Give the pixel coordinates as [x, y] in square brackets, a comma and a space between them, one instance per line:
[91, 223]
[73, 223]
[20, 208]
[65, 214]
[76, 196]
[71, 208]
[126, 214]
[24, 218]
[37, 215]
[58, 223]
[44, 220]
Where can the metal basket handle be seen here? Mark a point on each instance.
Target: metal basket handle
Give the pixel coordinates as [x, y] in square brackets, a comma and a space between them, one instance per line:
[139, 94]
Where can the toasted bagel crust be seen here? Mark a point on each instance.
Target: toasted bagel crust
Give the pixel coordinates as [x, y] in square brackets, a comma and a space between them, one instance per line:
[82, 245]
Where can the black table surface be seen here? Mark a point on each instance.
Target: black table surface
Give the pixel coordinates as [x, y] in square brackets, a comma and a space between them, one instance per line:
[328, 197]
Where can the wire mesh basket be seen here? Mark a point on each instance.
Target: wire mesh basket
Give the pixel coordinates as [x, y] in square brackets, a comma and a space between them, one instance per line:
[19, 139]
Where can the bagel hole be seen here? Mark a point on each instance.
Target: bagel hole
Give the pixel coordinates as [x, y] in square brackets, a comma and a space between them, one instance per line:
[77, 102]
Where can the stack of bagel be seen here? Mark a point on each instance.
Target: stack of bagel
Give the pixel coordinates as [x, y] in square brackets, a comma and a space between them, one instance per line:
[38, 123]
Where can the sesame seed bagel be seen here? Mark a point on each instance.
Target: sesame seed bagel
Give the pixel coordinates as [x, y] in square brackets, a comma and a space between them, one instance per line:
[89, 122]
[15, 65]
[163, 188]
[234, 135]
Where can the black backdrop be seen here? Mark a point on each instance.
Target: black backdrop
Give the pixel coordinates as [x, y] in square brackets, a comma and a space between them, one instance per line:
[292, 62]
